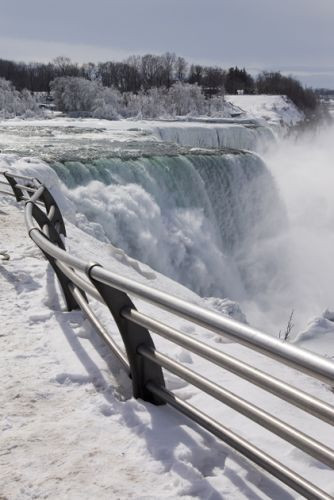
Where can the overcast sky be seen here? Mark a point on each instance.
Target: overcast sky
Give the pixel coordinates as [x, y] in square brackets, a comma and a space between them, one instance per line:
[295, 36]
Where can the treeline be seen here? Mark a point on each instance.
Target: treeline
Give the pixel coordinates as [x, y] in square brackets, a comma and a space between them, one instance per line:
[142, 73]
[325, 92]
[275, 83]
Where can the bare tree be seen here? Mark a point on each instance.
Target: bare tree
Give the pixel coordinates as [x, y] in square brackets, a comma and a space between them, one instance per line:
[181, 67]
[288, 328]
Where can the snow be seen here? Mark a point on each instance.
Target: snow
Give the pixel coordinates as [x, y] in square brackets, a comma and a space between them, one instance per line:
[69, 426]
[274, 109]
[319, 335]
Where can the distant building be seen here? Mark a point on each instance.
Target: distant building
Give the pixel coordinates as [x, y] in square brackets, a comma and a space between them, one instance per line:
[240, 92]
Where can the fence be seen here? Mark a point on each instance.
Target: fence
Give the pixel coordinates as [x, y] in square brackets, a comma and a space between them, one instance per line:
[80, 279]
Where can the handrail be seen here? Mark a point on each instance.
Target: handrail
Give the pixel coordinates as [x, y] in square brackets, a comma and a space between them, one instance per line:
[101, 330]
[26, 188]
[46, 228]
[299, 359]
[288, 354]
[257, 377]
[18, 176]
[7, 192]
[261, 417]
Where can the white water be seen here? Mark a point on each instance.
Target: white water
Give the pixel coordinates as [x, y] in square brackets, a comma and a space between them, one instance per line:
[203, 220]
[250, 137]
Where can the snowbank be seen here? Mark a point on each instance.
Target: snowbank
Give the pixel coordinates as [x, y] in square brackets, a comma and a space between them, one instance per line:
[274, 109]
[319, 335]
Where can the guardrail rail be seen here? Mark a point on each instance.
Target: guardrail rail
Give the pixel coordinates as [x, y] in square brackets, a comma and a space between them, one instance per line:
[80, 279]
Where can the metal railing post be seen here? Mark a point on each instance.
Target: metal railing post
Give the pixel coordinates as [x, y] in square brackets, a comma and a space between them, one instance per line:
[18, 193]
[142, 370]
[53, 235]
[57, 218]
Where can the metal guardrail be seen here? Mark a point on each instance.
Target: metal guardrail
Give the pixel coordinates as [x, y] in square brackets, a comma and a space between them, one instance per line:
[80, 279]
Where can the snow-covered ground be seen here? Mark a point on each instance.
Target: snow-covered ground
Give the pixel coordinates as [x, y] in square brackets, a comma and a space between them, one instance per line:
[69, 426]
[275, 109]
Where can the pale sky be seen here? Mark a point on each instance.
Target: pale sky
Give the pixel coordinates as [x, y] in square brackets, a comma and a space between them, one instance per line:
[294, 36]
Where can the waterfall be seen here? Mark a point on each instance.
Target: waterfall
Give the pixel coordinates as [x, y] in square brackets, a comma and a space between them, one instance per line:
[199, 219]
[239, 136]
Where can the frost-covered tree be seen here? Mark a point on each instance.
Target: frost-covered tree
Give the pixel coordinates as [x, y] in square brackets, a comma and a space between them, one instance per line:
[181, 99]
[216, 106]
[15, 103]
[91, 98]
[108, 104]
[185, 99]
[75, 94]
[150, 104]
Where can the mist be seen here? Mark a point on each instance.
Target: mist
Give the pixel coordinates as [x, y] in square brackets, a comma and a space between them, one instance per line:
[303, 169]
